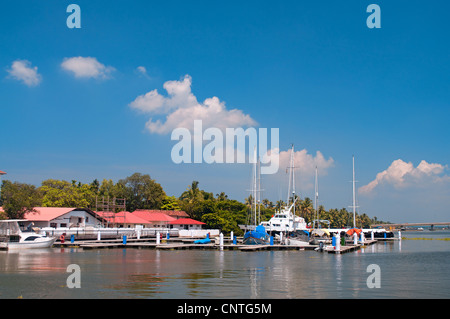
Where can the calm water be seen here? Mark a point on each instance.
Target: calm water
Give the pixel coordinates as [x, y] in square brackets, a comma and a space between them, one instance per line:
[409, 269]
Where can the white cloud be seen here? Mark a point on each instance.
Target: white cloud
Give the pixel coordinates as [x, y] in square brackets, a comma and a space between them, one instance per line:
[142, 70]
[86, 67]
[401, 175]
[23, 71]
[181, 108]
[305, 164]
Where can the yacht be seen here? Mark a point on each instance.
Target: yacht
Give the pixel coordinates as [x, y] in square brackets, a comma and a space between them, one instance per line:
[12, 237]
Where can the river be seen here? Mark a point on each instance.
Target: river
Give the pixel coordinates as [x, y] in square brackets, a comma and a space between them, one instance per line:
[406, 269]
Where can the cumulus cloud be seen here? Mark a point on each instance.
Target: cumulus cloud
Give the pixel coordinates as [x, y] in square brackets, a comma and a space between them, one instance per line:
[181, 107]
[23, 71]
[86, 67]
[305, 163]
[401, 175]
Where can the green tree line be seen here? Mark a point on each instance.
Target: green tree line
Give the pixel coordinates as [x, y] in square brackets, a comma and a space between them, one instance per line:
[140, 191]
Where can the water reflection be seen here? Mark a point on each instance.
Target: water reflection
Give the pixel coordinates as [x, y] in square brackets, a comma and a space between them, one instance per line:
[408, 267]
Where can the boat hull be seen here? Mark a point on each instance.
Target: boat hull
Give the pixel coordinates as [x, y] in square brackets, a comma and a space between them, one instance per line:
[41, 243]
[254, 241]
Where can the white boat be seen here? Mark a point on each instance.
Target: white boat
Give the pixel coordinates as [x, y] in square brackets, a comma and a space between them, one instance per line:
[285, 220]
[13, 237]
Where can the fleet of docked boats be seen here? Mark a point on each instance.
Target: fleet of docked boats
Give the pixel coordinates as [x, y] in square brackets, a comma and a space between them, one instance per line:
[291, 229]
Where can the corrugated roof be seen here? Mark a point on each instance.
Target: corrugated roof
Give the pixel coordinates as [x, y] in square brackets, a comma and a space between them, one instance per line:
[153, 216]
[177, 213]
[122, 218]
[186, 221]
[47, 213]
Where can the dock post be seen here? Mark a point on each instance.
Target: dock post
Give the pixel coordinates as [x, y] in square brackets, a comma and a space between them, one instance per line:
[234, 240]
[231, 235]
[338, 242]
[373, 235]
[399, 235]
[281, 237]
[99, 235]
[138, 234]
[363, 238]
[355, 239]
[221, 241]
[72, 238]
[271, 240]
[124, 240]
[158, 238]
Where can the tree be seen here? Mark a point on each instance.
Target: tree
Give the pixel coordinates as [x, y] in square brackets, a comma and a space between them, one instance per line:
[58, 193]
[170, 203]
[18, 199]
[142, 192]
[192, 194]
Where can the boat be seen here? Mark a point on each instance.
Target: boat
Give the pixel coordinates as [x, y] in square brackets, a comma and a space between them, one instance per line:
[255, 235]
[285, 220]
[13, 237]
[298, 238]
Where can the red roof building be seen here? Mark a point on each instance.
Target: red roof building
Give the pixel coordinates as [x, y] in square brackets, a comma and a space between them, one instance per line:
[172, 213]
[186, 223]
[63, 217]
[123, 219]
[155, 218]
[2, 173]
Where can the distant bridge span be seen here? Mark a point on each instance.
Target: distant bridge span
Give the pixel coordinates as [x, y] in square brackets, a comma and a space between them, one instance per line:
[411, 224]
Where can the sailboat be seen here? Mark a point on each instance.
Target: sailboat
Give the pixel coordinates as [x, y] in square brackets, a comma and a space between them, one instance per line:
[256, 235]
[319, 234]
[285, 221]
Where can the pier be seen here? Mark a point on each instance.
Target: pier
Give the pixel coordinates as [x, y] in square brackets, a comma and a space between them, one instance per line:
[188, 243]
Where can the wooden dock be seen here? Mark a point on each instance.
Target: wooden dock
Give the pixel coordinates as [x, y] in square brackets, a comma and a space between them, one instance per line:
[181, 244]
[349, 248]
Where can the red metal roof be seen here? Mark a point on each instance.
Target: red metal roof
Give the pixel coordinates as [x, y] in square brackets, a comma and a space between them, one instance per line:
[47, 213]
[153, 216]
[186, 221]
[2, 173]
[122, 218]
[172, 213]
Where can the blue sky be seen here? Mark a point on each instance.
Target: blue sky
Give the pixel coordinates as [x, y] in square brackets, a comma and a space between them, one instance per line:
[313, 70]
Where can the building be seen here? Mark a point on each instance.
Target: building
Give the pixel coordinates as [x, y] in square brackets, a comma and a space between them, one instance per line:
[186, 223]
[124, 220]
[177, 214]
[156, 218]
[56, 217]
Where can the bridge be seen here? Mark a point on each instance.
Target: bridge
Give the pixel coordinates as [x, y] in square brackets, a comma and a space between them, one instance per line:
[400, 225]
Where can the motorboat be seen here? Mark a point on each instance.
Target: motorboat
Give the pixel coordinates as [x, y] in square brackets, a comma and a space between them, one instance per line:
[13, 237]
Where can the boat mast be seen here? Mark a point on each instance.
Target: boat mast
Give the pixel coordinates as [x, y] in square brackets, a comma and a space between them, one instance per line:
[316, 198]
[254, 183]
[291, 179]
[354, 194]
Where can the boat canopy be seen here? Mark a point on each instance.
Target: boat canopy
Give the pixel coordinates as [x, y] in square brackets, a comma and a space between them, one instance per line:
[9, 227]
[320, 232]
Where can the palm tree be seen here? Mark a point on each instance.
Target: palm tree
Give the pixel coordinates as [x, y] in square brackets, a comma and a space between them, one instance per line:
[306, 209]
[192, 194]
[222, 197]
